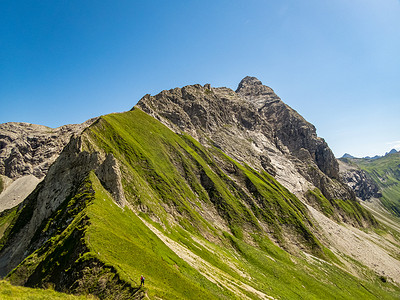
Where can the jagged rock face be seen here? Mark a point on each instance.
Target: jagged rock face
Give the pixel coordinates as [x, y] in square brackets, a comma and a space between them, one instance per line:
[61, 181]
[253, 126]
[359, 181]
[28, 149]
[252, 89]
[288, 126]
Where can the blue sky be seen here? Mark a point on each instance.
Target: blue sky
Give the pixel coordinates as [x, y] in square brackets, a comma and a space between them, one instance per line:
[337, 62]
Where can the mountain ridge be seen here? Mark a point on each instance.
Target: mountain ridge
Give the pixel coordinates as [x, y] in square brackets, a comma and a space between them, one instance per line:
[393, 151]
[26, 153]
[273, 129]
[188, 184]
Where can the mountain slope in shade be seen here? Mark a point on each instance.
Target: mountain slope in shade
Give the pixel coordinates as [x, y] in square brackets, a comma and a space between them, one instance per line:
[199, 216]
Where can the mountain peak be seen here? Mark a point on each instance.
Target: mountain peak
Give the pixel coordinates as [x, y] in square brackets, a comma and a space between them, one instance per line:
[248, 81]
[252, 90]
[347, 155]
[391, 152]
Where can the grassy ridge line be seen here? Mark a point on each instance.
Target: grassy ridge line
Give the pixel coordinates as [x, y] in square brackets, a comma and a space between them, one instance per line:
[140, 252]
[144, 152]
[154, 153]
[11, 292]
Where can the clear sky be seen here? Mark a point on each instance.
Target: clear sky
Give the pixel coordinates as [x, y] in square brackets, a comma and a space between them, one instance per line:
[337, 62]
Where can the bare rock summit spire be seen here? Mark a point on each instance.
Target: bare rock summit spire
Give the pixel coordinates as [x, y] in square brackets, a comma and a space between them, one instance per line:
[252, 90]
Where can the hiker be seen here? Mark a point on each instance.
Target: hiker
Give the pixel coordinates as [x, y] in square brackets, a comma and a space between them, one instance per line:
[141, 280]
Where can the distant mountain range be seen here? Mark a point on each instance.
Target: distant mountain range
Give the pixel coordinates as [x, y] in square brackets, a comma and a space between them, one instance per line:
[347, 155]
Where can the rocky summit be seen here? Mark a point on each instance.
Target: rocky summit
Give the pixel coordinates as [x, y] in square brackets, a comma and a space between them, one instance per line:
[254, 126]
[208, 192]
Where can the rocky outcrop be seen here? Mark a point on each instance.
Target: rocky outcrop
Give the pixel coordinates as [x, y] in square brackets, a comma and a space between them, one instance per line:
[289, 127]
[109, 174]
[252, 125]
[252, 89]
[61, 181]
[29, 149]
[359, 181]
[26, 153]
[17, 191]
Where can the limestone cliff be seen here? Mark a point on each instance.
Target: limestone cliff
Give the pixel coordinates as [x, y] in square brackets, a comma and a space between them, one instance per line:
[255, 126]
[26, 153]
[29, 149]
[358, 180]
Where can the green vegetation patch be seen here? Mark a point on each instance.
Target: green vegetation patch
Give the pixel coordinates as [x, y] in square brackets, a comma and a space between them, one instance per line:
[119, 238]
[316, 198]
[11, 292]
[385, 171]
[283, 276]
[352, 210]
[347, 210]
[6, 218]
[20, 217]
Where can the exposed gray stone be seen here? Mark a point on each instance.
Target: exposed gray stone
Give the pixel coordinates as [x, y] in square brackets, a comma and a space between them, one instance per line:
[29, 149]
[359, 181]
[61, 181]
[254, 126]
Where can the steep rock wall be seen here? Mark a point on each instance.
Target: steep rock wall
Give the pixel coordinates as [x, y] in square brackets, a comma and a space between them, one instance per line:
[62, 180]
[253, 126]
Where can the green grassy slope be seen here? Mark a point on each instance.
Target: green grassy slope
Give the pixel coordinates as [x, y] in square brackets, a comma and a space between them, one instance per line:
[93, 246]
[339, 209]
[161, 167]
[6, 218]
[122, 240]
[11, 292]
[385, 171]
[118, 241]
